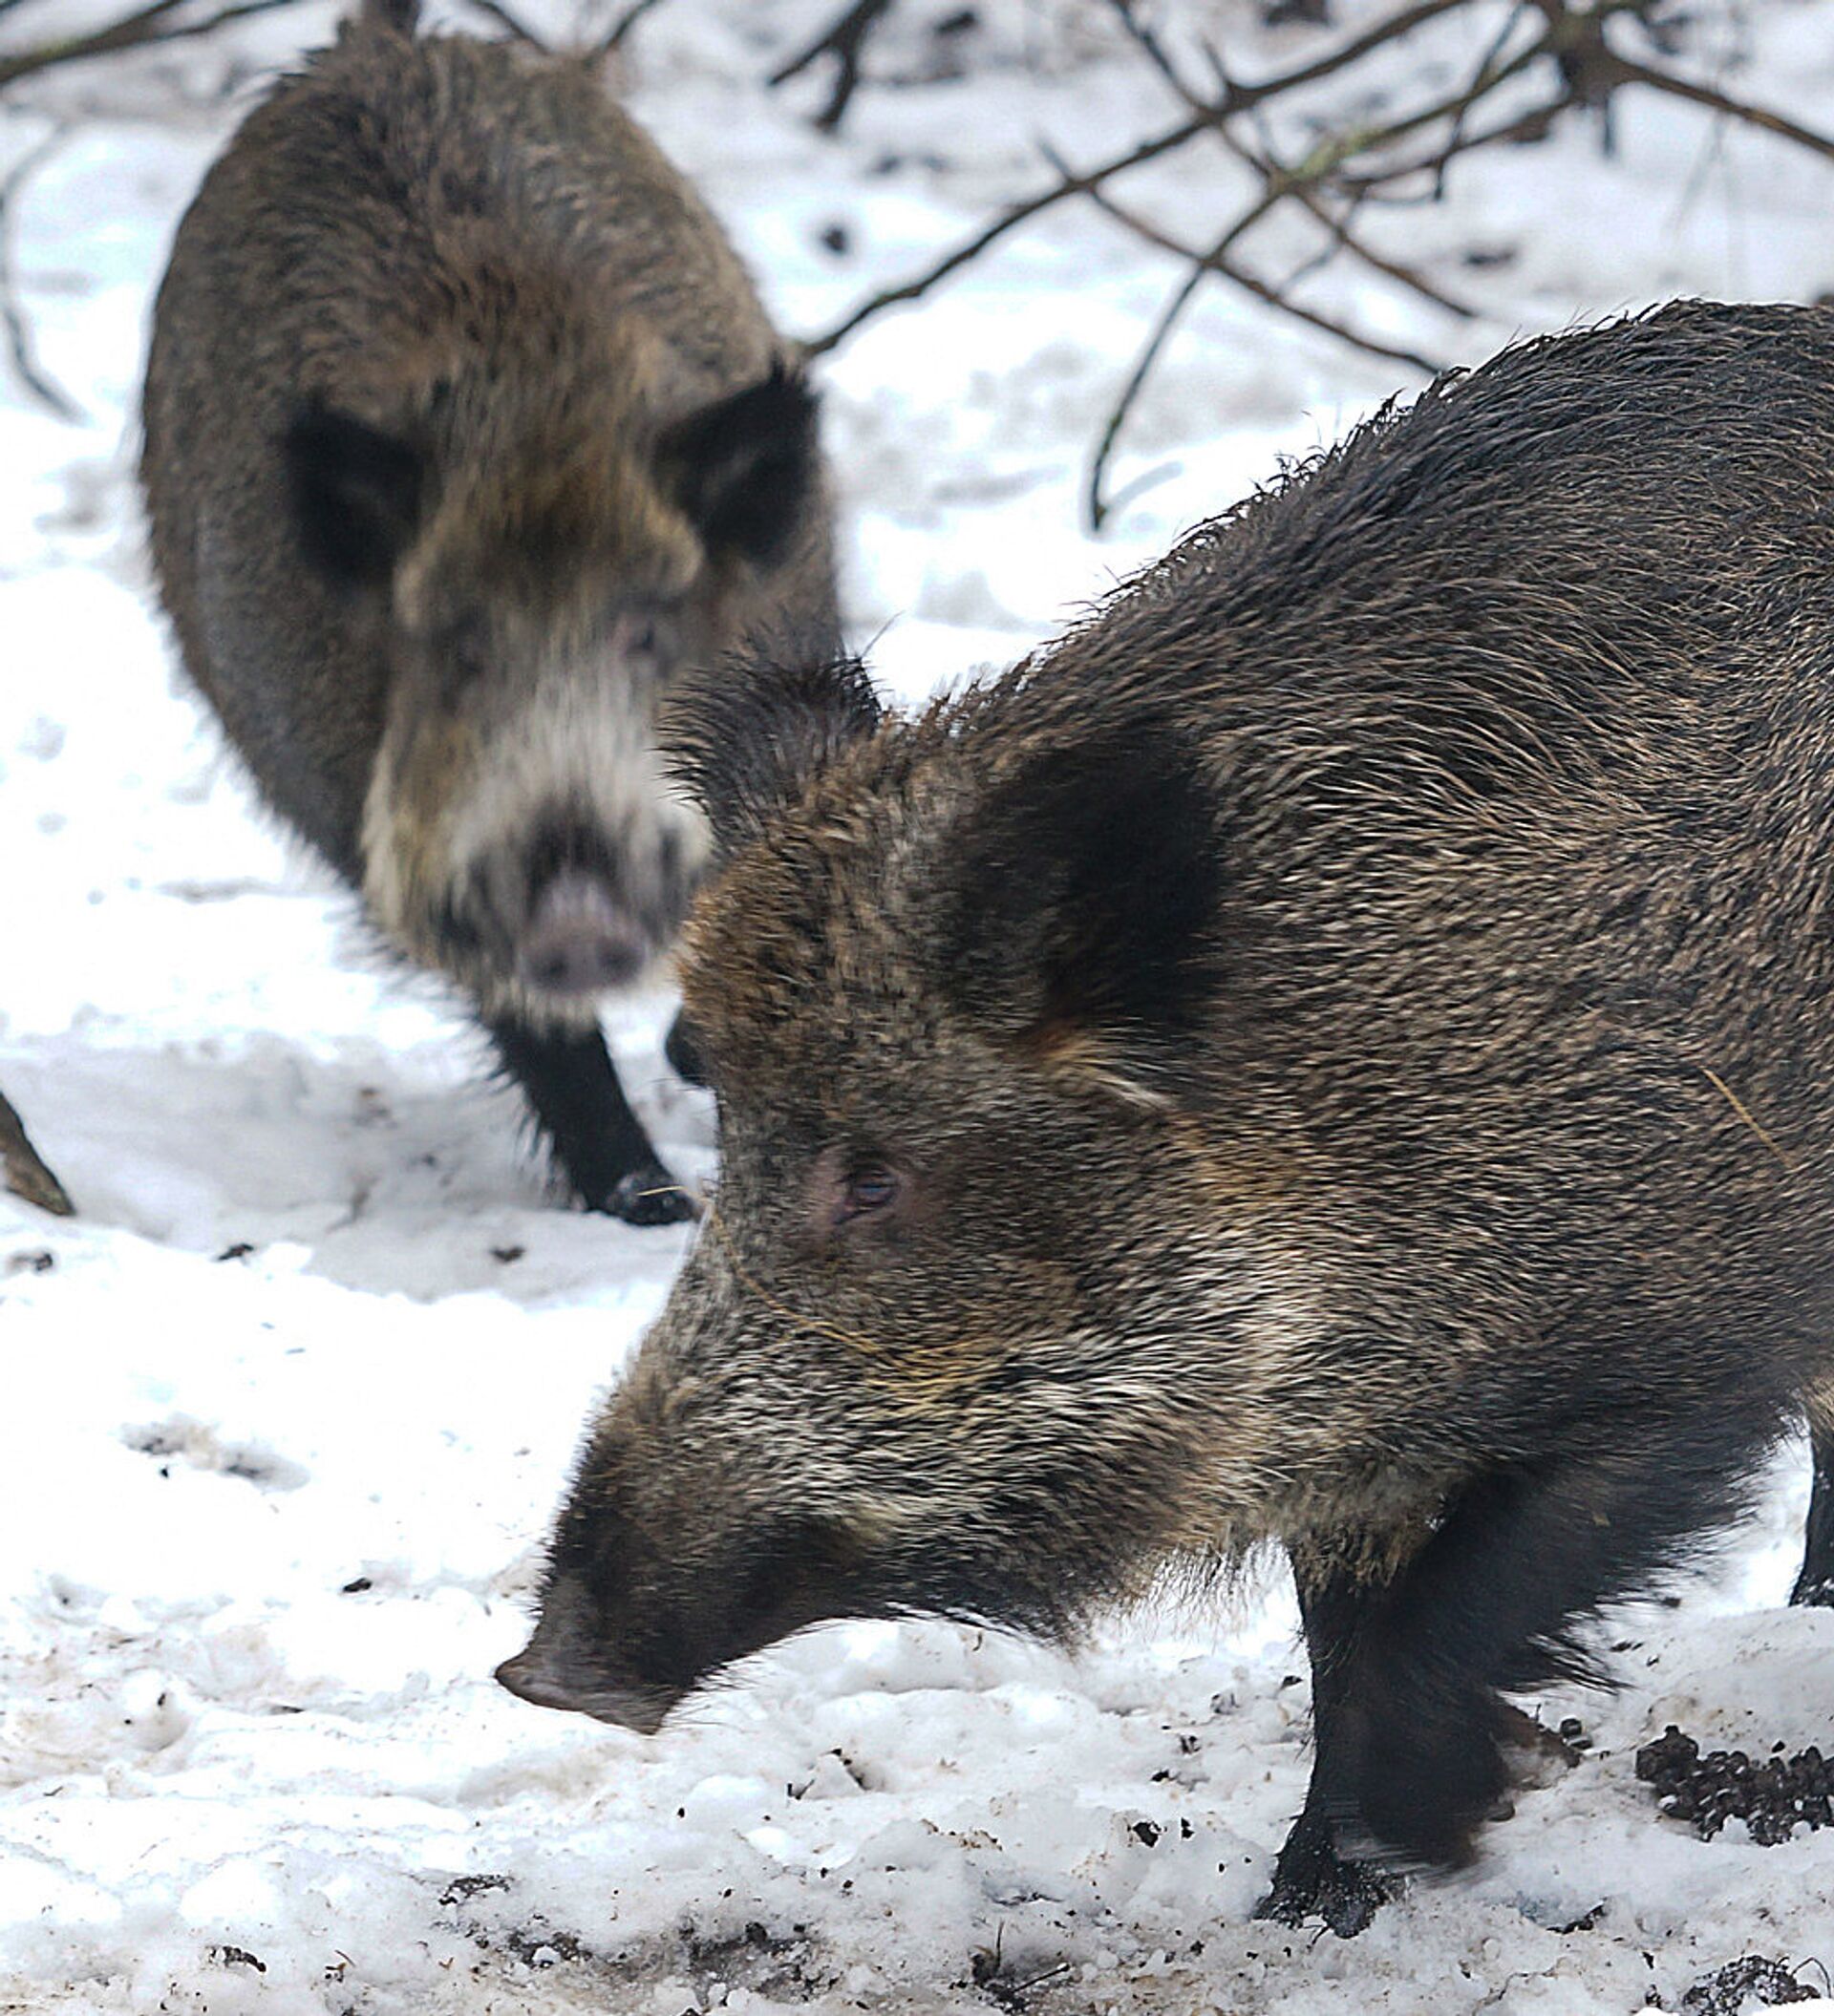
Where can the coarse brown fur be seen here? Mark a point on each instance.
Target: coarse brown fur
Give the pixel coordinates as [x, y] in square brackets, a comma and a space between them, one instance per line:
[1334, 1052]
[464, 431]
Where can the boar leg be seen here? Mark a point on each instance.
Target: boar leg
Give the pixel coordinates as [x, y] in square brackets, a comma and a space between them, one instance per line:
[683, 1054]
[598, 1141]
[1312, 1880]
[1487, 1606]
[1815, 1585]
[27, 1177]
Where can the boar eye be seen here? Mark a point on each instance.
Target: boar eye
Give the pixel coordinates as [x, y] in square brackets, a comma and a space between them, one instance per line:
[871, 1187]
[857, 1188]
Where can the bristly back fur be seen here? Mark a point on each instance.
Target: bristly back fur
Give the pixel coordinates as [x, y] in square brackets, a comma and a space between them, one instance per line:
[401, 16]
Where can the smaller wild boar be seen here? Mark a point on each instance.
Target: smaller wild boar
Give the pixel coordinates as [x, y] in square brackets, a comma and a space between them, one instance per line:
[464, 433]
[1334, 1051]
[25, 1174]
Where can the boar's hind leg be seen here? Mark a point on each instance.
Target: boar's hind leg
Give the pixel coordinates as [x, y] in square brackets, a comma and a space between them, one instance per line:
[1312, 1880]
[598, 1141]
[27, 1177]
[1408, 1761]
[1815, 1585]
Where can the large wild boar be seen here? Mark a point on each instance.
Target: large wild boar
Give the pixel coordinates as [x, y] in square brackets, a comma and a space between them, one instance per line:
[465, 433]
[1334, 1051]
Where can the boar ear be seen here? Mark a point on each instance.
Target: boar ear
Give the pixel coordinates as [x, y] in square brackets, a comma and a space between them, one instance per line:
[356, 493]
[742, 468]
[746, 736]
[1080, 913]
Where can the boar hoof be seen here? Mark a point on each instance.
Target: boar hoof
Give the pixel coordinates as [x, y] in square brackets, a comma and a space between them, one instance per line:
[1312, 1880]
[648, 1195]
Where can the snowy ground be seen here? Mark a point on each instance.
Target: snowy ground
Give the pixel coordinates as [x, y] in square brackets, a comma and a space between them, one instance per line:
[292, 1399]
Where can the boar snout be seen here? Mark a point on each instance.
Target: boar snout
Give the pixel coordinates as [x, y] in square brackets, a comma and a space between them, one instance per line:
[564, 1666]
[628, 1624]
[578, 941]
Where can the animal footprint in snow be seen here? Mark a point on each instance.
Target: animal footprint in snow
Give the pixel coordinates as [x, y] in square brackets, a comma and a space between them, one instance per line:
[198, 1444]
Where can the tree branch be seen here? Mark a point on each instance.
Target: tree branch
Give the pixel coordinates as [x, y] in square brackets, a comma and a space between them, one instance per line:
[842, 40]
[1235, 99]
[12, 315]
[615, 36]
[135, 30]
[517, 29]
[1221, 262]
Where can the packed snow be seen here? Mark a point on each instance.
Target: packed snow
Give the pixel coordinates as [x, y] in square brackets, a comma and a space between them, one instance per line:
[294, 1395]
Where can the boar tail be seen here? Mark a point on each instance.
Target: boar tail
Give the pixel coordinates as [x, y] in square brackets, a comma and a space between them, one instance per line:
[401, 16]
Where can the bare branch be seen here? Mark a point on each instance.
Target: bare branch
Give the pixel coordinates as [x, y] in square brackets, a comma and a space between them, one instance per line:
[1093, 503]
[150, 24]
[1378, 184]
[615, 36]
[12, 315]
[1625, 71]
[1394, 269]
[1008, 220]
[842, 40]
[1236, 98]
[517, 29]
[1221, 262]
[1307, 196]
[1491, 56]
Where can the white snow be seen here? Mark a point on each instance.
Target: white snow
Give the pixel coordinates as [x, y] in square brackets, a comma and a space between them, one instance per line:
[293, 1400]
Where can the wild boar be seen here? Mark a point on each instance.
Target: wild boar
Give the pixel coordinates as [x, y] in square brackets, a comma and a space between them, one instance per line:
[466, 431]
[1334, 1052]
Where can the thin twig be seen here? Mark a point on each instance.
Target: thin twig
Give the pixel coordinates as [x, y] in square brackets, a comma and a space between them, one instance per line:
[1625, 71]
[1155, 52]
[615, 36]
[135, 30]
[1235, 99]
[38, 381]
[1377, 183]
[517, 29]
[1370, 345]
[842, 40]
[1409, 277]
[1008, 220]
[1302, 192]
[1262, 289]
[1093, 502]
[1490, 56]
[1307, 196]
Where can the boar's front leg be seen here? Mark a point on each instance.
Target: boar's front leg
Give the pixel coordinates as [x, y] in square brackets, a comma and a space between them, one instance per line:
[27, 1175]
[1312, 1880]
[1815, 1585]
[1409, 1759]
[598, 1141]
